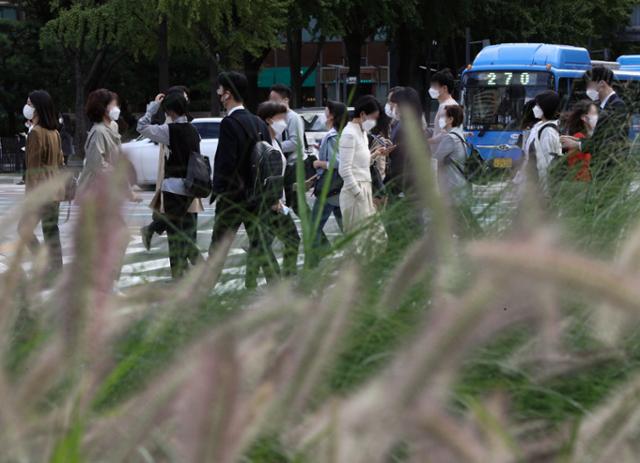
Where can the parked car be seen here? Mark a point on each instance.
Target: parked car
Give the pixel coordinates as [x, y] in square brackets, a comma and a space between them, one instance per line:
[143, 153]
[314, 127]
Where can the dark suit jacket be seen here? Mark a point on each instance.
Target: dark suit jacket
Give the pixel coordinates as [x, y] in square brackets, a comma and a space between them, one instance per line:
[611, 134]
[232, 169]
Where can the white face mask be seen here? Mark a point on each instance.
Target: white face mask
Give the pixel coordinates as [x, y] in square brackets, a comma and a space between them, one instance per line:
[388, 110]
[28, 112]
[592, 121]
[434, 93]
[538, 112]
[368, 124]
[278, 126]
[592, 93]
[442, 123]
[114, 113]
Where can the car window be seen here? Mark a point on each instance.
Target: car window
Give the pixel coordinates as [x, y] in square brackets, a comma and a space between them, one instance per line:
[314, 121]
[208, 130]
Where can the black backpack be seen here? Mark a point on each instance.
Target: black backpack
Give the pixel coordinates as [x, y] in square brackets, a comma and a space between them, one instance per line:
[198, 181]
[475, 170]
[266, 167]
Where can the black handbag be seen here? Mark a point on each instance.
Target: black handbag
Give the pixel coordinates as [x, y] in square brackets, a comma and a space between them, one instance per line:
[335, 186]
[198, 181]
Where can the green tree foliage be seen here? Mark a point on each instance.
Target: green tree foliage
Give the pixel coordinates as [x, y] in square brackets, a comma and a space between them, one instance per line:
[234, 31]
[436, 32]
[320, 20]
[360, 19]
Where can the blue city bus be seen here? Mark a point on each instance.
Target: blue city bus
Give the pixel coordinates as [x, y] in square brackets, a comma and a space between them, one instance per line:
[502, 78]
[628, 76]
[629, 62]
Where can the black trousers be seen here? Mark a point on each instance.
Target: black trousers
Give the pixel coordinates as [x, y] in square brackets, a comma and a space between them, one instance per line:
[229, 216]
[159, 225]
[48, 215]
[180, 231]
[402, 221]
[284, 228]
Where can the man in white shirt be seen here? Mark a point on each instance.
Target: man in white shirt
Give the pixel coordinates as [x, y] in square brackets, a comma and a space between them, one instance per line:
[442, 85]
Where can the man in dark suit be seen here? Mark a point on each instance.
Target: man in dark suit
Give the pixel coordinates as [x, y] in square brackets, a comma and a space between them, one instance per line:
[609, 143]
[239, 132]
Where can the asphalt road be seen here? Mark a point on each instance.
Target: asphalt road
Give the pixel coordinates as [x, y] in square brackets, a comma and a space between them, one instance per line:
[142, 266]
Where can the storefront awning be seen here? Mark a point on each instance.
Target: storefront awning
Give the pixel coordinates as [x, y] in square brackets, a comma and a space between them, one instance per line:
[281, 75]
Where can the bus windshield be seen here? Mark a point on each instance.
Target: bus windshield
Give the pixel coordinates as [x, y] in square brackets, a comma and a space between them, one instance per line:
[495, 100]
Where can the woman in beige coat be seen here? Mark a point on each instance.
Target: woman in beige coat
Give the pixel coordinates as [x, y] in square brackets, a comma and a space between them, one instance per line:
[44, 158]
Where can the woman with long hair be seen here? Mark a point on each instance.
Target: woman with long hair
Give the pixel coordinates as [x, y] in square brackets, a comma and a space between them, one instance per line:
[43, 153]
[580, 123]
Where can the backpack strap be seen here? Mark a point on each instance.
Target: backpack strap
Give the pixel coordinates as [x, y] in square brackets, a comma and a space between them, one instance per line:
[552, 125]
[453, 161]
[259, 136]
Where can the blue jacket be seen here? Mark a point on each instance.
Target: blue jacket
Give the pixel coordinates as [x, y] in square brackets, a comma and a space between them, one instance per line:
[329, 150]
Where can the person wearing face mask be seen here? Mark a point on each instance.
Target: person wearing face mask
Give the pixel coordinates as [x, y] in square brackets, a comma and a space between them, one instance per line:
[182, 139]
[277, 217]
[404, 222]
[158, 224]
[292, 141]
[441, 89]
[336, 116]
[580, 124]
[609, 142]
[103, 143]
[391, 109]
[239, 132]
[44, 158]
[543, 144]
[453, 185]
[356, 196]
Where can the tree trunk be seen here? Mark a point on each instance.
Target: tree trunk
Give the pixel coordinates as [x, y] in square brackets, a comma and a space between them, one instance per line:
[294, 46]
[252, 66]
[213, 83]
[80, 134]
[408, 52]
[163, 55]
[353, 43]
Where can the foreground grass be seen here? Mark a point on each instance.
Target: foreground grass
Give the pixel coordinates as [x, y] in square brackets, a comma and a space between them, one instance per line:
[593, 221]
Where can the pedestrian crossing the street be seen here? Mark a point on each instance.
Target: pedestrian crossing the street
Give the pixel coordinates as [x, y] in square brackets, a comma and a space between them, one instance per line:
[140, 266]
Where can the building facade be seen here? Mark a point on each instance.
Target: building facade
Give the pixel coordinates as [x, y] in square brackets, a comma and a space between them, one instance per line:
[10, 11]
[632, 32]
[329, 80]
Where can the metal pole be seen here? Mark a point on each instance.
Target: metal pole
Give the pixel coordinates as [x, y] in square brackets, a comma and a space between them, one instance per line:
[319, 82]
